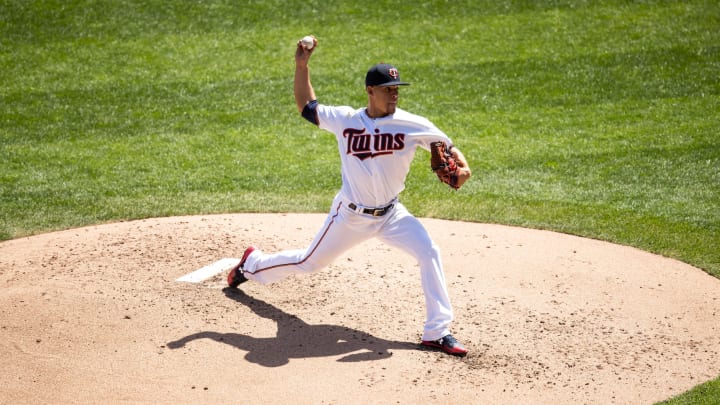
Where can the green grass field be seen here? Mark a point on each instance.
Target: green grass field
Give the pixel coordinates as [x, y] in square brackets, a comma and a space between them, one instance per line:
[595, 118]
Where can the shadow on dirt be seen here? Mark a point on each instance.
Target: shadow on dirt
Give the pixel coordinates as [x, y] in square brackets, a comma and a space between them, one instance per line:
[297, 339]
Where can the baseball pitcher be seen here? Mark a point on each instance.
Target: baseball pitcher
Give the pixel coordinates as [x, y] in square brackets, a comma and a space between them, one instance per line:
[377, 144]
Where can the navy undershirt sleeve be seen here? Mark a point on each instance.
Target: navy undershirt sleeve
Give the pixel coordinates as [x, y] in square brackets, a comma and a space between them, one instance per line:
[310, 112]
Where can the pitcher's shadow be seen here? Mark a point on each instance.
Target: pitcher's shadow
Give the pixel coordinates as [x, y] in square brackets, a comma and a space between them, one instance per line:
[296, 339]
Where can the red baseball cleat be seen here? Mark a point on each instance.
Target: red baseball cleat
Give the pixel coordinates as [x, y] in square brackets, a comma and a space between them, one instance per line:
[236, 276]
[448, 344]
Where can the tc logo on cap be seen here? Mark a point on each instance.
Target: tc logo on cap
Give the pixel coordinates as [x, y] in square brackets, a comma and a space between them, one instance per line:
[383, 74]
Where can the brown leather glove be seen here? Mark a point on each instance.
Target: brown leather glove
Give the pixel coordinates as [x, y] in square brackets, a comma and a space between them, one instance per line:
[443, 164]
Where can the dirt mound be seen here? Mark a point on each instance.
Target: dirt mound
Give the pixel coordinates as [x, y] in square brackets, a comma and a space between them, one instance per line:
[96, 315]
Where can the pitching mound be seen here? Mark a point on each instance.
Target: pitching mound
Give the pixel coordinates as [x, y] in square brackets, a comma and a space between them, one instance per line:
[96, 315]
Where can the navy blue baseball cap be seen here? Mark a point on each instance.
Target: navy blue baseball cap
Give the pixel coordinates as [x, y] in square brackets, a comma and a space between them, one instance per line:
[383, 74]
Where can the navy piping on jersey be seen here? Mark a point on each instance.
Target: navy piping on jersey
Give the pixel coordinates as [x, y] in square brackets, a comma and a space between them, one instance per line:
[309, 112]
[337, 212]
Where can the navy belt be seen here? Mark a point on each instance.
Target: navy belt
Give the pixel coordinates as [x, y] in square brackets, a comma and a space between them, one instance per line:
[376, 212]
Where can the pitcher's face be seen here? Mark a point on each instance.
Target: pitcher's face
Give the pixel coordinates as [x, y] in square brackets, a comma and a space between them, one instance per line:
[382, 100]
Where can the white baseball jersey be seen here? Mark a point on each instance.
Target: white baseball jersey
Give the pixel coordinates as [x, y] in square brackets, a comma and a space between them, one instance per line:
[376, 153]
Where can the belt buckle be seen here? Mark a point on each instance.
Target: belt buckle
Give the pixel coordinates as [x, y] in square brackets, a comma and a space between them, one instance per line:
[378, 212]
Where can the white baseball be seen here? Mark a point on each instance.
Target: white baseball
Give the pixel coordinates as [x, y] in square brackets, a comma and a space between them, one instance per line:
[307, 42]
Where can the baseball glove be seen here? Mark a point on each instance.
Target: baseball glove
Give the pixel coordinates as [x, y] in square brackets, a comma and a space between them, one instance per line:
[443, 164]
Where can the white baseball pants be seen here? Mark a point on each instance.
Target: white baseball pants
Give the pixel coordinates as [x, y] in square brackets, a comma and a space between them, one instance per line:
[344, 229]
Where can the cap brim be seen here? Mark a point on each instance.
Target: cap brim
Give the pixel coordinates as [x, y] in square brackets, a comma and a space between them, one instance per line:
[392, 84]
